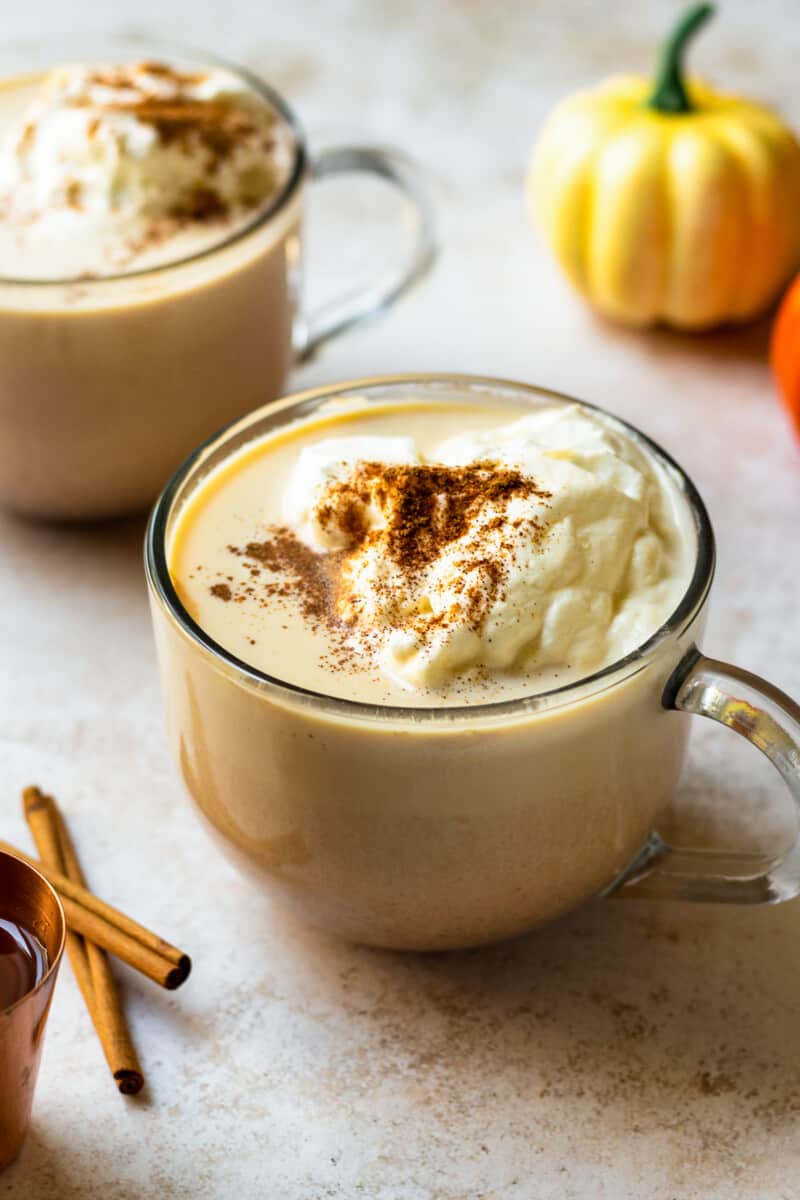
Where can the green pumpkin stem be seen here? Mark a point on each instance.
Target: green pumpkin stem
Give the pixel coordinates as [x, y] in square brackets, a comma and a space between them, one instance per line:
[669, 93]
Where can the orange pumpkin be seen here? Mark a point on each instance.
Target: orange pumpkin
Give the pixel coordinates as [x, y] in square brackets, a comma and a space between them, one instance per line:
[785, 351]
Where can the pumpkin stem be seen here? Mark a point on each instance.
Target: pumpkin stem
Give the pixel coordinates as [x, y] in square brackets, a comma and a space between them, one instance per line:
[669, 93]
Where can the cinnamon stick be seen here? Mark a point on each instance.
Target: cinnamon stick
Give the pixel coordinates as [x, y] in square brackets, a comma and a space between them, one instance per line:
[112, 930]
[90, 963]
[44, 835]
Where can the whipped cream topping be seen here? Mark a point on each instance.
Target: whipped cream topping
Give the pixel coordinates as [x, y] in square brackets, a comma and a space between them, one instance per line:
[322, 465]
[131, 153]
[542, 543]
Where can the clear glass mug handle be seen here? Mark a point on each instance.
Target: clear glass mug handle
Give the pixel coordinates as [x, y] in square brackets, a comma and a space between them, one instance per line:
[334, 317]
[769, 719]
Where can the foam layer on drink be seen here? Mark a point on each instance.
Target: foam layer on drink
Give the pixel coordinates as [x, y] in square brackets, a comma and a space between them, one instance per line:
[383, 556]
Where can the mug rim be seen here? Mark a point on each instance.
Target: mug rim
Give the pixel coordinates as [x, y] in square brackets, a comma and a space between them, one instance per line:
[252, 80]
[62, 941]
[162, 588]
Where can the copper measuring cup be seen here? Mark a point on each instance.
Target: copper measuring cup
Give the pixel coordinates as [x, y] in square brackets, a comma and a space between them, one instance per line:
[28, 899]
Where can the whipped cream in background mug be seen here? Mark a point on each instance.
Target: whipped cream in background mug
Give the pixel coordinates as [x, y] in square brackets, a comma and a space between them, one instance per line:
[517, 749]
[111, 168]
[150, 261]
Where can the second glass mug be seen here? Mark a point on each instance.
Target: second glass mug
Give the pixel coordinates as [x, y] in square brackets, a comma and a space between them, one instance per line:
[440, 828]
[106, 384]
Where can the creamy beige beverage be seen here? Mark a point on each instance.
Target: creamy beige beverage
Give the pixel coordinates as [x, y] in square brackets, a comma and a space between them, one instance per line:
[419, 554]
[365, 608]
[145, 299]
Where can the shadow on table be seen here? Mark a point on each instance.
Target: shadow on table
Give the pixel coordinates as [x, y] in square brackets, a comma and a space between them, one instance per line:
[734, 343]
[121, 539]
[75, 565]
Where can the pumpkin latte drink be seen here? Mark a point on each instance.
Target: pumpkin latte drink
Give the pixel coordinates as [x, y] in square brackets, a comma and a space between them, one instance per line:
[401, 608]
[135, 315]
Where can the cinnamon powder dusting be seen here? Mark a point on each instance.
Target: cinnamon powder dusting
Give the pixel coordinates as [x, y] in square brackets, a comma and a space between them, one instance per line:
[176, 117]
[426, 507]
[181, 119]
[407, 516]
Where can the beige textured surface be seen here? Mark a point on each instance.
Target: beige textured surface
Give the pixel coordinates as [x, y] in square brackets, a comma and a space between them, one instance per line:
[627, 1051]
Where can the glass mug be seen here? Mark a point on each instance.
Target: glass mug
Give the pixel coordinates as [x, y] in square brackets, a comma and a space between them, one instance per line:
[107, 384]
[440, 828]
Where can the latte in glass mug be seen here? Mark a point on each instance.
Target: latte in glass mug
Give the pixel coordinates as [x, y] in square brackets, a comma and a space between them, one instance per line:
[419, 639]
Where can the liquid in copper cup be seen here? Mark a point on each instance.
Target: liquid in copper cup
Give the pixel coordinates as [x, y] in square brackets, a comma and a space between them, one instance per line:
[33, 929]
